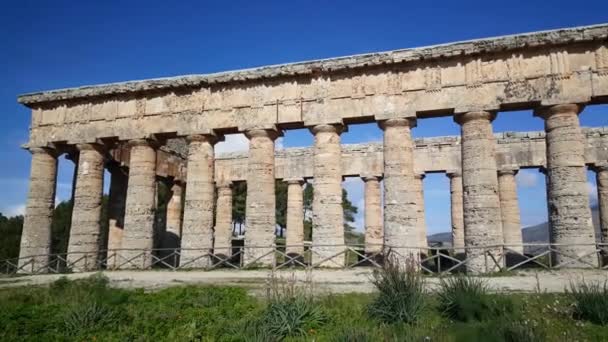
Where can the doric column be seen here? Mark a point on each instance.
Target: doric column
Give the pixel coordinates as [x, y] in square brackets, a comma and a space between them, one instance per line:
[36, 235]
[509, 209]
[373, 214]
[481, 204]
[260, 212]
[457, 216]
[295, 217]
[569, 211]
[138, 235]
[328, 215]
[174, 211]
[223, 220]
[85, 233]
[419, 185]
[197, 226]
[601, 174]
[400, 208]
[116, 213]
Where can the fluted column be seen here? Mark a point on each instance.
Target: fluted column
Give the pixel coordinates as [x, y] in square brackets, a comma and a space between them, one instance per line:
[260, 203]
[457, 216]
[373, 215]
[569, 210]
[328, 215]
[295, 217]
[419, 185]
[138, 234]
[174, 210]
[481, 203]
[197, 226]
[223, 220]
[116, 212]
[601, 174]
[85, 233]
[509, 209]
[400, 205]
[36, 233]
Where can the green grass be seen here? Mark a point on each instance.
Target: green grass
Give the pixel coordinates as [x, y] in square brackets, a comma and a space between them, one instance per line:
[88, 310]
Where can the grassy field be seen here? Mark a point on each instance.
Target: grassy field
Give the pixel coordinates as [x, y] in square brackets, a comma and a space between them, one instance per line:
[89, 310]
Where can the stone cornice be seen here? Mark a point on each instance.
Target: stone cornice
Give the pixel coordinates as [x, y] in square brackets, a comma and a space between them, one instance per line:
[464, 48]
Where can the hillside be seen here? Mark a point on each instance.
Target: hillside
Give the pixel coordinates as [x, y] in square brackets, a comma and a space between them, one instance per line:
[536, 233]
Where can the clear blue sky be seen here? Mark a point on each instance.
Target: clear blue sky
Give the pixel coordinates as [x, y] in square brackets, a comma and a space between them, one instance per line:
[57, 44]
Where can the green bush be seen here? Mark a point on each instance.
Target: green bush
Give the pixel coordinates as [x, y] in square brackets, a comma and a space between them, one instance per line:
[590, 301]
[292, 317]
[401, 294]
[290, 311]
[466, 299]
[88, 317]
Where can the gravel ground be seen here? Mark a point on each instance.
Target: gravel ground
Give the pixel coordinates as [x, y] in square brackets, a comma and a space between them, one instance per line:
[324, 281]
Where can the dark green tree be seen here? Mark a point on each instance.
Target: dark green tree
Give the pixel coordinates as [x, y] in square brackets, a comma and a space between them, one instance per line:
[10, 236]
[280, 190]
[239, 196]
[60, 227]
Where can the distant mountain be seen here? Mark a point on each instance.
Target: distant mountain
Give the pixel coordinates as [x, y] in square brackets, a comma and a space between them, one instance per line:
[537, 233]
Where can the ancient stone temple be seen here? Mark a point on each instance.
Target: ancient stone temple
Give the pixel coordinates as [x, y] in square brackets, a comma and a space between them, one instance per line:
[143, 131]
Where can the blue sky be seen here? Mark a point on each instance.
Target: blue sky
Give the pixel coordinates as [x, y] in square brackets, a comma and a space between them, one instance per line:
[57, 44]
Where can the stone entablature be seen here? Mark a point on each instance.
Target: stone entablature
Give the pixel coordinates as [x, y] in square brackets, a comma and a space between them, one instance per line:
[504, 73]
[441, 154]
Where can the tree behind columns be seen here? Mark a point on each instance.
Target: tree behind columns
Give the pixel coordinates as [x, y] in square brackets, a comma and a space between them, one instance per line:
[349, 209]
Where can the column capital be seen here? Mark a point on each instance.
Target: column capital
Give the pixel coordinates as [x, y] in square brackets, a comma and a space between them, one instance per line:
[508, 170]
[370, 177]
[400, 122]
[91, 147]
[463, 118]
[569, 108]
[143, 142]
[295, 180]
[263, 132]
[419, 175]
[44, 150]
[543, 169]
[328, 128]
[453, 173]
[209, 138]
[223, 185]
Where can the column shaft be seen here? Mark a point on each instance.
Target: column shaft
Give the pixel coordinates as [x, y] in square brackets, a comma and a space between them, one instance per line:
[197, 227]
[116, 213]
[419, 185]
[174, 212]
[328, 215]
[509, 209]
[260, 203]
[85, 232]
[223, 221]
[138, 236]
[569, 210]
[36, 235]
[400, 195]
[481, 204]
[457, 216]
[295, 217]
[602, 196]
[373, 215]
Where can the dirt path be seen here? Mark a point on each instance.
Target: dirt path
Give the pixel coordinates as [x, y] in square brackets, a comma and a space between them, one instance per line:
[334, 281]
